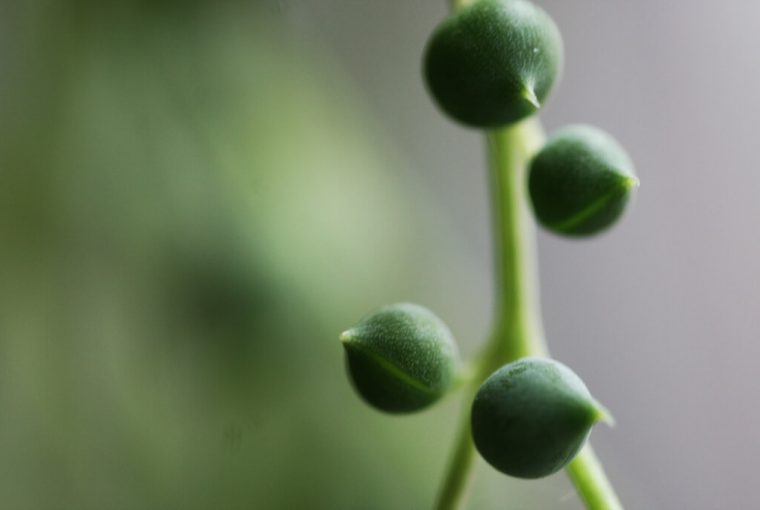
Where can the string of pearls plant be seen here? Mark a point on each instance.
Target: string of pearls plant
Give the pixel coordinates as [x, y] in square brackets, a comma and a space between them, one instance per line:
[490, 65]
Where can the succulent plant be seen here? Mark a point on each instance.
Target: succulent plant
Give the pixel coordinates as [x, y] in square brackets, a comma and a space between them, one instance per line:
[531, 417]
[491, 64]
[494, 62]
[401, 358]
[581, 181]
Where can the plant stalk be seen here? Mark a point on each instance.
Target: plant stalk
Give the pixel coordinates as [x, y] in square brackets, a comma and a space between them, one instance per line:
[587, 474]
[518, 330]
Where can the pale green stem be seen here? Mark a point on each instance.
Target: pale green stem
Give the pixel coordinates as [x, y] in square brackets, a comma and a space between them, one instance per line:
[588, 476]
[453, 493]
[518, 330]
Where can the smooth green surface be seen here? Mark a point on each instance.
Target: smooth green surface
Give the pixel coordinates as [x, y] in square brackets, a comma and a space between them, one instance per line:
[581, 181]
[518, 328]
[401, 358]
[531, 417]
[493, 62]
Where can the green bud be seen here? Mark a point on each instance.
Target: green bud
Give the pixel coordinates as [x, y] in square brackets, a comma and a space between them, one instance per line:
[532, 416]
[494, 62]
[581, 181]
[400, 358]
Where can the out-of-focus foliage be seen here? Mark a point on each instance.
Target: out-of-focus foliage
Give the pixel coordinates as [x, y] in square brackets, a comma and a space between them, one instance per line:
[190, 211]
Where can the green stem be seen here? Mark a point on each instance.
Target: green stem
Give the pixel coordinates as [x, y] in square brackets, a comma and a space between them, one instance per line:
[518, 330]
[588, 476]
[454, 489]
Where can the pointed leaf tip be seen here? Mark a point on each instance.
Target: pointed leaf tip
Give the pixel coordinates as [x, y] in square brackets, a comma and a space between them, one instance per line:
[632, 182]
[346, 336]
[530, 96]
[602, 414]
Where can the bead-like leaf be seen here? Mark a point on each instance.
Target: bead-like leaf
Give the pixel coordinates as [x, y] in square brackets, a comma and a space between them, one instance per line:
[400, 358]
[581, 181]
[493, 62]
[532, 416]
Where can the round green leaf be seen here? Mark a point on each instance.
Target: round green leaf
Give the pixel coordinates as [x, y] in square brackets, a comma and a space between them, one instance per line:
[493, 62]
[400, 358]
[581, 181]
[532, 416]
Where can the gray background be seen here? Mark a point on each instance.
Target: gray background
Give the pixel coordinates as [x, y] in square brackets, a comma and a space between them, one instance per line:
[660, 315]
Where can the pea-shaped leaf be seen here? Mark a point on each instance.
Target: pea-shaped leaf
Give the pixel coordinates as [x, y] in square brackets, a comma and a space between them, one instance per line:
[581, 181]
[494, 62]
[532, 416]
[400, 358]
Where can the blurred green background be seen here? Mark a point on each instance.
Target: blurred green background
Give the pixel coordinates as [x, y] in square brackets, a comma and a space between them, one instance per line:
[193, 207]
[197, 197]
